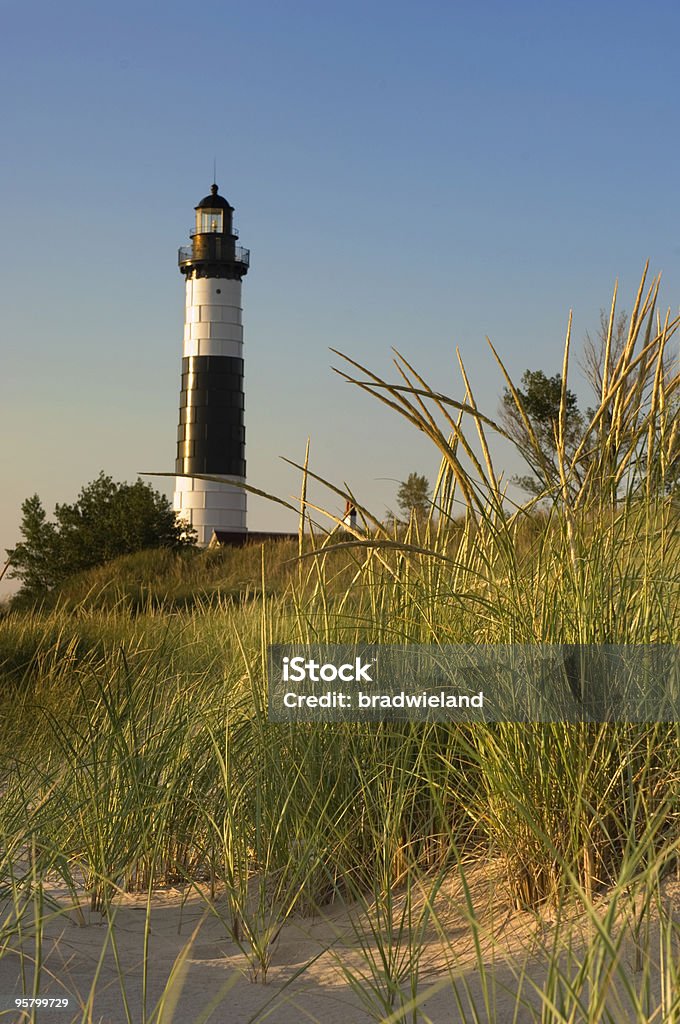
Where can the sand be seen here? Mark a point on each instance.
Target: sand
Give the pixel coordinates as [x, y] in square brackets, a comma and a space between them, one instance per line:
[203, 975]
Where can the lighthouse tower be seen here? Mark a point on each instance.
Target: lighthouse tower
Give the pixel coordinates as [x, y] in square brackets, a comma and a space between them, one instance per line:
[211, 433]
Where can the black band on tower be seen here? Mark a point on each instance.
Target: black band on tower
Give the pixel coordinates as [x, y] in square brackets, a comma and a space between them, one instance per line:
[211, 432]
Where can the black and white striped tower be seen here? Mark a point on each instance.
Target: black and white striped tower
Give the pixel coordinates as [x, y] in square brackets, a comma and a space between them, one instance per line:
[211, 434]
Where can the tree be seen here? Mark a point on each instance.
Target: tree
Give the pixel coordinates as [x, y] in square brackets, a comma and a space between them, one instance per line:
[35, 559]
[594, 349]
[108, 519]
[413, 496]
[540, 398]
[629, 438]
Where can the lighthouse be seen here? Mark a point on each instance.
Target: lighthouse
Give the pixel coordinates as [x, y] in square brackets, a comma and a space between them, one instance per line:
[211, 433]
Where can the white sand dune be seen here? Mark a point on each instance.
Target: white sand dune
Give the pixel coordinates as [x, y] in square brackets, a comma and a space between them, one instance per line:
[203, 975]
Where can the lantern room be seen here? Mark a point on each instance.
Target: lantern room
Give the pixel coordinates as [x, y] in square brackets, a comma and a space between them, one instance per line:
[213, 215]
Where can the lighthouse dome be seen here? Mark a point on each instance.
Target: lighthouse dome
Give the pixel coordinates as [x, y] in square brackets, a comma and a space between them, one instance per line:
[214, 201]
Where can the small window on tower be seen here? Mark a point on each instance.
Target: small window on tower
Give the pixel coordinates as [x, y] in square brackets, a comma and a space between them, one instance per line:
[211, 221]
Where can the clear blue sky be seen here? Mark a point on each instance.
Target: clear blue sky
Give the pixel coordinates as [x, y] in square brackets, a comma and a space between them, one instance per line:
[409, 175]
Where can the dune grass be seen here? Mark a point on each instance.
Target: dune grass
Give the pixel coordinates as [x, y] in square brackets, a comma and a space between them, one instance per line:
[135, 749]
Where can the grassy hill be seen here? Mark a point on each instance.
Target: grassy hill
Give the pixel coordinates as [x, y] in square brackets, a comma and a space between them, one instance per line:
[136, 751]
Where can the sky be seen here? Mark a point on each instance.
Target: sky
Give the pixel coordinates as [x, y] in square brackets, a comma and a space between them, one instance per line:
[408, 176]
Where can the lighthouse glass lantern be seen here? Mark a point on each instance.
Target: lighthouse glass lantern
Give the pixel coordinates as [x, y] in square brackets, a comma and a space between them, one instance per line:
[209, 221]
[210, 463]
